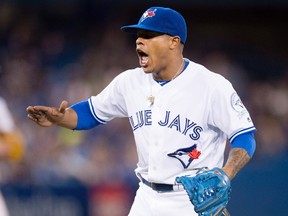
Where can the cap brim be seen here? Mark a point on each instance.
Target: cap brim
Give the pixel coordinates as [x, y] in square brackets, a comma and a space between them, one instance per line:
[135, 28]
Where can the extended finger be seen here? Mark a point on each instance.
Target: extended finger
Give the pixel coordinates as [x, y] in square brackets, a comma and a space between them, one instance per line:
[63, 106]
[32, 117]
[34, 112]
[42, 108]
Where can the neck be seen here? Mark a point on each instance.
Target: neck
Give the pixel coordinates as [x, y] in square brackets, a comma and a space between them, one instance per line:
[170, 72]
[179, 70]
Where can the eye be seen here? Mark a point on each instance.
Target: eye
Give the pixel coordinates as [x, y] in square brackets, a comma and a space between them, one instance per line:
[148, 34]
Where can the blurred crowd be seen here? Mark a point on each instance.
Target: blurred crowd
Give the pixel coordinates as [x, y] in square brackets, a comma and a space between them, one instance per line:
[45, 58]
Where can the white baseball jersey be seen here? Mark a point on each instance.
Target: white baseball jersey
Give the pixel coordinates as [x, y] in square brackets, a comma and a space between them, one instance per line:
[185, 127]
[6, 126]
[6, 119]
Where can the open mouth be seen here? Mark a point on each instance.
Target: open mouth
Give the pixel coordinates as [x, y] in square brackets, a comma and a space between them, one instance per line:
[143, 58]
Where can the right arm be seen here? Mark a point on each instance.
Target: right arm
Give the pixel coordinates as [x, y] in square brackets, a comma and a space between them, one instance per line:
[48, 116]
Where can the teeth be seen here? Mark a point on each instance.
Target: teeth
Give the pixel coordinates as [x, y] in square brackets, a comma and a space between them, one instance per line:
[143, 61]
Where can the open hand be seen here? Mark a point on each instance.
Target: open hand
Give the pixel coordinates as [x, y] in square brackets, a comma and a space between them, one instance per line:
[46, 116]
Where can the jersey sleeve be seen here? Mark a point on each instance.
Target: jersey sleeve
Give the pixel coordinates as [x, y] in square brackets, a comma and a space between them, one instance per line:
[110, 103]
[228, 113]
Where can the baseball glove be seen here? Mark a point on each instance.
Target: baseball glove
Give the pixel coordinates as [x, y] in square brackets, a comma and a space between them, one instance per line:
[209, 191]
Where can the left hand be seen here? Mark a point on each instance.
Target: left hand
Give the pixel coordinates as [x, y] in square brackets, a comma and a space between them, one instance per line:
[209, 191]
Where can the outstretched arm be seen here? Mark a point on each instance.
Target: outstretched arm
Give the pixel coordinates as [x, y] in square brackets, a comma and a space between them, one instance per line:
[47, 116]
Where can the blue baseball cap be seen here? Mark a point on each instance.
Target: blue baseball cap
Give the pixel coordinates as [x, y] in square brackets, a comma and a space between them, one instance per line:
[162, 20]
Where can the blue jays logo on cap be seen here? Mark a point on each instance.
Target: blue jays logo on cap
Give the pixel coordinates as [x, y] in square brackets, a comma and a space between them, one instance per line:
[147, 14]
[186, 155]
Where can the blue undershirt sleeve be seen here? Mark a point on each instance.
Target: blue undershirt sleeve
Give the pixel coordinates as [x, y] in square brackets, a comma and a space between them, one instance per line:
[85, 118]
[245, 141]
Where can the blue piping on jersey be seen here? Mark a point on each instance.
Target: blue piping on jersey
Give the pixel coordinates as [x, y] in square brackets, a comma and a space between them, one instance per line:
[250, 129]
[94, 113]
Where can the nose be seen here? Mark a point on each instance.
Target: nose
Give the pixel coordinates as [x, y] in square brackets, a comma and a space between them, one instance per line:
[139, 41]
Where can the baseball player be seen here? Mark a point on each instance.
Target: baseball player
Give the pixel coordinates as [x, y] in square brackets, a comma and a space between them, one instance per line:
[11, 144]
[181, 115]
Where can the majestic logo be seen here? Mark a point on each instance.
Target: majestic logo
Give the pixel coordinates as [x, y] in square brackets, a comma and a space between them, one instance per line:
[147, 14]
[186, 155]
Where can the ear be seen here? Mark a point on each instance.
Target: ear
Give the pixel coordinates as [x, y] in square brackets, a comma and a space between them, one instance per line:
[175, 41]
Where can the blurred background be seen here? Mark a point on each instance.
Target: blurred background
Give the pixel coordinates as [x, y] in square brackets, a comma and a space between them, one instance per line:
[53, 50]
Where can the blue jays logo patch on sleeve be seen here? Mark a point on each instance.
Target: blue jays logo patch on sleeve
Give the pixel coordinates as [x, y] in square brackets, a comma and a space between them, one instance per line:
[186, 155]
[237, 103]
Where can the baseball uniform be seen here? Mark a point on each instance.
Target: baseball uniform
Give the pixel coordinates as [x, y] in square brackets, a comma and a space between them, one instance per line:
[184, 128]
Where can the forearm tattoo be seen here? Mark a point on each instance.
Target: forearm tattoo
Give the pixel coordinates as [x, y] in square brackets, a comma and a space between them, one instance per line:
[237, 159]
